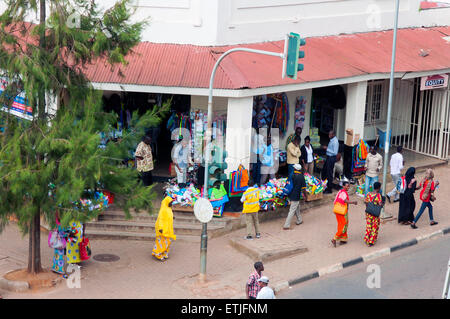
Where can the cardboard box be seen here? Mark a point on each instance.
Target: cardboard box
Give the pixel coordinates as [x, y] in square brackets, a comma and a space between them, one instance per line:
[351, 139]
[311, 197]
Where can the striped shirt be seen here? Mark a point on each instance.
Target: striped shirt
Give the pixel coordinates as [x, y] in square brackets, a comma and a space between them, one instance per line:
[253, 285]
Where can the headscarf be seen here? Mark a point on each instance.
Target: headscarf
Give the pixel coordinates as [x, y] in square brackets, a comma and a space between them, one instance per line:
[409, 175]
[429, 174]
[164, 221]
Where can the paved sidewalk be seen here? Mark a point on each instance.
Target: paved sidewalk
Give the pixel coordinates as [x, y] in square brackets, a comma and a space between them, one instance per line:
[138, 275]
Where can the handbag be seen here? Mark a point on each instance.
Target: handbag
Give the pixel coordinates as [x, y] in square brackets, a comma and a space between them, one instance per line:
[372, 209]
[340, 209]
[55, 240]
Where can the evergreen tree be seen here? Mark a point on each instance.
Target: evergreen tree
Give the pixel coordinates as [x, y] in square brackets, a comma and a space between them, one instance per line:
[47, 164]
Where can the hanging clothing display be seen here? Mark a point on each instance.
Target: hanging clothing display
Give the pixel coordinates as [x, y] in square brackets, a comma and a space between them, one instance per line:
[359, 155]
[271, 111]
[300, 110]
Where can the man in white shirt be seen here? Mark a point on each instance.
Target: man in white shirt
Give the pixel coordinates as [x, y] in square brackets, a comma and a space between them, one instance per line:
[266, 292]
[396, 164]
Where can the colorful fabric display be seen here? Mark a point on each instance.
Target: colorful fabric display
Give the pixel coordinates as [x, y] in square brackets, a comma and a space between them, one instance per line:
[271, 111]
[238, 182]
[218, 212]
[314, 185]
[359, 155]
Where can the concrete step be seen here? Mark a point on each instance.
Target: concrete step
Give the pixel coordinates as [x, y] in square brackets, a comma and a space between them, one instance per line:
[144, 227]
[147, 236]
[144, 217]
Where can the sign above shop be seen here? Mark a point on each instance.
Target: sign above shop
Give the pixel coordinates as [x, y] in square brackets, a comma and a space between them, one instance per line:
[434, 82]
[19, 107]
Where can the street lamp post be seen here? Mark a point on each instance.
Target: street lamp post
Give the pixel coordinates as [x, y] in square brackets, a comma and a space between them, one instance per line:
[204, 236]
[387, 143]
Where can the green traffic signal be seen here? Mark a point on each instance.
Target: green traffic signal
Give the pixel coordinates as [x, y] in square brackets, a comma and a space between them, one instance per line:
[293, 54]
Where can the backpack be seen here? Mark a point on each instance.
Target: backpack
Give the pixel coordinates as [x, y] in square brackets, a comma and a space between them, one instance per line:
[401, 185]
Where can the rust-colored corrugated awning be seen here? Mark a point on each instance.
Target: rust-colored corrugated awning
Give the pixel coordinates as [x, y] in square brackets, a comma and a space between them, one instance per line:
[327, 58]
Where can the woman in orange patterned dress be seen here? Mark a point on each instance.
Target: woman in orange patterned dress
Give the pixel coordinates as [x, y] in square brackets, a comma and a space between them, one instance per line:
[341, 211]
[373, 222]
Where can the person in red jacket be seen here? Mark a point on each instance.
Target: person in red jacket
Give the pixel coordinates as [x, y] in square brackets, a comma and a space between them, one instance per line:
[426, 195]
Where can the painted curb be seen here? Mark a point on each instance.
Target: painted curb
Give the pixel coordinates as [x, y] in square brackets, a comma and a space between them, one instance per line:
[379, 253]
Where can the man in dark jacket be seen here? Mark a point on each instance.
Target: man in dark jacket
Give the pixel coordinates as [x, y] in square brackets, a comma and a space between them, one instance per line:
[299, 186]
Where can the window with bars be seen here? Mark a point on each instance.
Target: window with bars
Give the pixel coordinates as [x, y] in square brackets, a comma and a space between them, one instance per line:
[374, 101]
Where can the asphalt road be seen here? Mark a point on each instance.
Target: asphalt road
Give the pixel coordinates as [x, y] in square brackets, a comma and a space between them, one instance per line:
[416, 272]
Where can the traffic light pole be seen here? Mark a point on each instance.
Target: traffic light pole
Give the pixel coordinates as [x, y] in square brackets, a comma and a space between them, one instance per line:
[204, 236]
[387, 143]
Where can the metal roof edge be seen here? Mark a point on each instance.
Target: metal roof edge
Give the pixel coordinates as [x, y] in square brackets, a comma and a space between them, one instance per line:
[240, 93]
[411, 75]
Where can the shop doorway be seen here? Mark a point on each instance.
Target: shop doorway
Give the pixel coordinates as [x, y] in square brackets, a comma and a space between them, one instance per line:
[428, 123]
[324, 102]
[124, 104]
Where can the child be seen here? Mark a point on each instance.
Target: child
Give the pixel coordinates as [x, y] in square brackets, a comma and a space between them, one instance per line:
[426, 195]
[250, 198]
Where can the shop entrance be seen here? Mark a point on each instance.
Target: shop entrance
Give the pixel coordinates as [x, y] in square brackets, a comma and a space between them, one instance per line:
[323, 103]
[124, 104]
[428, 123]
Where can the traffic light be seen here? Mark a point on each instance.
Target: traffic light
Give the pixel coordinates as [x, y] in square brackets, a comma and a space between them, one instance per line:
[216, 171]
[293, 54]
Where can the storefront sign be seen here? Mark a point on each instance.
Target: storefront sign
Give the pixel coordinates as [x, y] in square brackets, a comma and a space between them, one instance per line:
[434, 82]
[20, 107]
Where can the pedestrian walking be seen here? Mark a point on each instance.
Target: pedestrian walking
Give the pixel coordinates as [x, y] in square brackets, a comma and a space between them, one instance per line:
[266, 292]
[340, 209]
[307, 156]
[396, 165]
[164, 230]
[65, 242]
[373, 217]
[293, 155]
[427, 196]
[328, 167]
[252, 288]
[250, 198]
[407, 203]
[298, 187]
[373, 166]
[144, 160]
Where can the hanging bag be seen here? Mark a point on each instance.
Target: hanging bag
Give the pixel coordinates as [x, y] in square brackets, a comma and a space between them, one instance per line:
[244, 176]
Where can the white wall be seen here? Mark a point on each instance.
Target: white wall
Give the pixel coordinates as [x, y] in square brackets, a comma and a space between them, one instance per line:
[219, 22]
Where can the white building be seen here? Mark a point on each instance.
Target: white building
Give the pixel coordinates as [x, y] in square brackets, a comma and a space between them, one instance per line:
[349, 45]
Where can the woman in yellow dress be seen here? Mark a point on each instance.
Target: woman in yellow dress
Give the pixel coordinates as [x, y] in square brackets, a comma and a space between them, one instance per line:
[164, 230]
